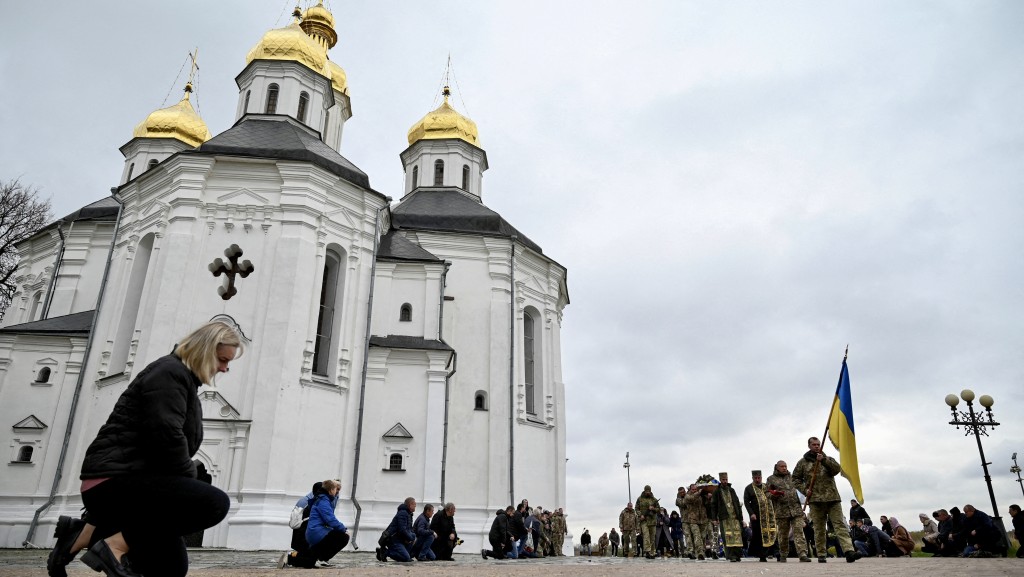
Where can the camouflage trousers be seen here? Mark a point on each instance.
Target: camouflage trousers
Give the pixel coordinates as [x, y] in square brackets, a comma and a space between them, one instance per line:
[629, 543]
[694, 534]
[834, 511]
[650, 541]
[797, 523]
[556, 543]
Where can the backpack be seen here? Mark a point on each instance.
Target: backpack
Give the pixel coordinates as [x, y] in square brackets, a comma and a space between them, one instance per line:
[296, 518]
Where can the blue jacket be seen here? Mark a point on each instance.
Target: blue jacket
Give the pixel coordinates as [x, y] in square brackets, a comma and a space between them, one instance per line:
[322, 520]
[422, 526]
[401, 526]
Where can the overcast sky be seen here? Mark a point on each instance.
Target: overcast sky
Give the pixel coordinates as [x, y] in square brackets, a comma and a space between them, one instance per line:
[738, 190]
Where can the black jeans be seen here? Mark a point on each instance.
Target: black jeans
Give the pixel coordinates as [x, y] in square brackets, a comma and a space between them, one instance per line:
[135, 505]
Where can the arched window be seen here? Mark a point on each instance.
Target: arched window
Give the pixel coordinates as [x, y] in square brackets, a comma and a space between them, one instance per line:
[405, 315]
[130, 306]
[43, 376]
[415, 177]
[245, 106]
[25, 454]
[439, 172]
[271, 99]
[131, 169]
[303, 104]
[465, 177]
[37, 299]
[480, 401]
[152, 164]
[529, 364]
[329, 317]
[395, 462]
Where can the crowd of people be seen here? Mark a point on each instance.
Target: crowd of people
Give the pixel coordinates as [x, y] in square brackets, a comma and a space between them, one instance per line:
[710, 521]
[524, 532]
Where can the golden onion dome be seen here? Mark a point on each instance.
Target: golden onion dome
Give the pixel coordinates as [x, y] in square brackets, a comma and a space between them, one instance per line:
[444, 122]
[179, 121]
[318, 22]
[290, 43]
[338, 77]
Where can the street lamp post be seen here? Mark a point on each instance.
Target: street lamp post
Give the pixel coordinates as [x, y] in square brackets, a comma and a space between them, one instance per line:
[978, 424]
[1016, 469]
[629, 485]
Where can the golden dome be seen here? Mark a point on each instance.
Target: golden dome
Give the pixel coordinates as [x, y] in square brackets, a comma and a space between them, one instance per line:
[318, 22]
[179, 121]
[338, 77]
[444, 122]
[290, 43]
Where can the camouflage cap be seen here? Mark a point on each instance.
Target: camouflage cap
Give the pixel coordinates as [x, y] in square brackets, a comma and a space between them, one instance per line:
[647, 487]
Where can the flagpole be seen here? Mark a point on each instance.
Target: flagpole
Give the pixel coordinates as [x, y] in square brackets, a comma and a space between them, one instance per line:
[828, 423]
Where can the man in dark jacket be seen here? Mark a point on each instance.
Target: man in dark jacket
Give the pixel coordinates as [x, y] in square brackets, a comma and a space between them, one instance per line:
[443, 525]
[1018, 529]
[500, 536]
[857, 511]
[980, 532]
[424, 535]
[517, 526]
[401, 533]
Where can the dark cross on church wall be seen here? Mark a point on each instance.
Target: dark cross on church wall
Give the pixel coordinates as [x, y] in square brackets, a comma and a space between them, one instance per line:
[230, 270]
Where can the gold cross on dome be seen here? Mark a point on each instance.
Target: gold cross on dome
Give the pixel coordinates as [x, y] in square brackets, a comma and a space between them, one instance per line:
[230, 270]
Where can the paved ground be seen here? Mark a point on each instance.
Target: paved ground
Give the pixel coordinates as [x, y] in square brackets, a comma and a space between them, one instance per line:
[221, 563]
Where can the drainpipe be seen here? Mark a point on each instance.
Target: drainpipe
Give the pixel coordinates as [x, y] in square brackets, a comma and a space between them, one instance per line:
[362, 378]
[78, 385]
[453, 363]
[56, 269]
[511, 371]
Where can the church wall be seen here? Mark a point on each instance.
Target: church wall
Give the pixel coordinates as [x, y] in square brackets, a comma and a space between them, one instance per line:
[81, 270]
[32, 278]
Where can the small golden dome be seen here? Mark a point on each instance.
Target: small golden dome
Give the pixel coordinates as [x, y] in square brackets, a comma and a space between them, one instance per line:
[290, 43]
[179, 121]
[444, 122]
[318, 22]
[338, 77]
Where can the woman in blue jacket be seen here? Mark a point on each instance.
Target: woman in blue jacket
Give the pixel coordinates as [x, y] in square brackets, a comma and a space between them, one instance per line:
[325, 534]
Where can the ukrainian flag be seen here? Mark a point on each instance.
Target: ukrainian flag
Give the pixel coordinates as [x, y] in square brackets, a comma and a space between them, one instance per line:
[841, 432]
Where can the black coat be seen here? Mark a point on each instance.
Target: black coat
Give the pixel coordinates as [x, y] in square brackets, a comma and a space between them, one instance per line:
[155, 428]
[499, 528]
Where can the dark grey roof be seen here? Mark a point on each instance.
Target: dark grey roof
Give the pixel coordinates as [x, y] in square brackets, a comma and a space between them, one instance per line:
[446, 209]
[404, 342]
[78, 323]
[281, 137]
[102, 209]
[394, 246]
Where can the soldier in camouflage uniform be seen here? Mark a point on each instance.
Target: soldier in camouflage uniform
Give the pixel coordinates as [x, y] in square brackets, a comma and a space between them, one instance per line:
[558, 531]
[695, 521]
[627, 524]
[823, 498]
[647, 509]
[545, 547]
[788, 512]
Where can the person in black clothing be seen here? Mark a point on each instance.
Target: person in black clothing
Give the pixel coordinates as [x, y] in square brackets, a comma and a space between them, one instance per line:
[144, 452]
[1018, 529]
[980, 532]
[500, 536]
[443, 523]
[517, 525]
[886, 526]
[857, 512]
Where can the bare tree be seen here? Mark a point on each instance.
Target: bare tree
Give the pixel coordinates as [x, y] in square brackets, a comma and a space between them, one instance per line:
[22, 213]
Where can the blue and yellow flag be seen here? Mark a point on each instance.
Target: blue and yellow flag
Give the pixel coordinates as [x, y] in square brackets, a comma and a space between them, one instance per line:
[841, 432]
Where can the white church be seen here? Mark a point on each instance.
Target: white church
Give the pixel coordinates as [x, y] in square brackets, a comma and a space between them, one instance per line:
[407, 348]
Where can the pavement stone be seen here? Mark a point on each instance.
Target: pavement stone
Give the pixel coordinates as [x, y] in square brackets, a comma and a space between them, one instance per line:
[227, 563]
